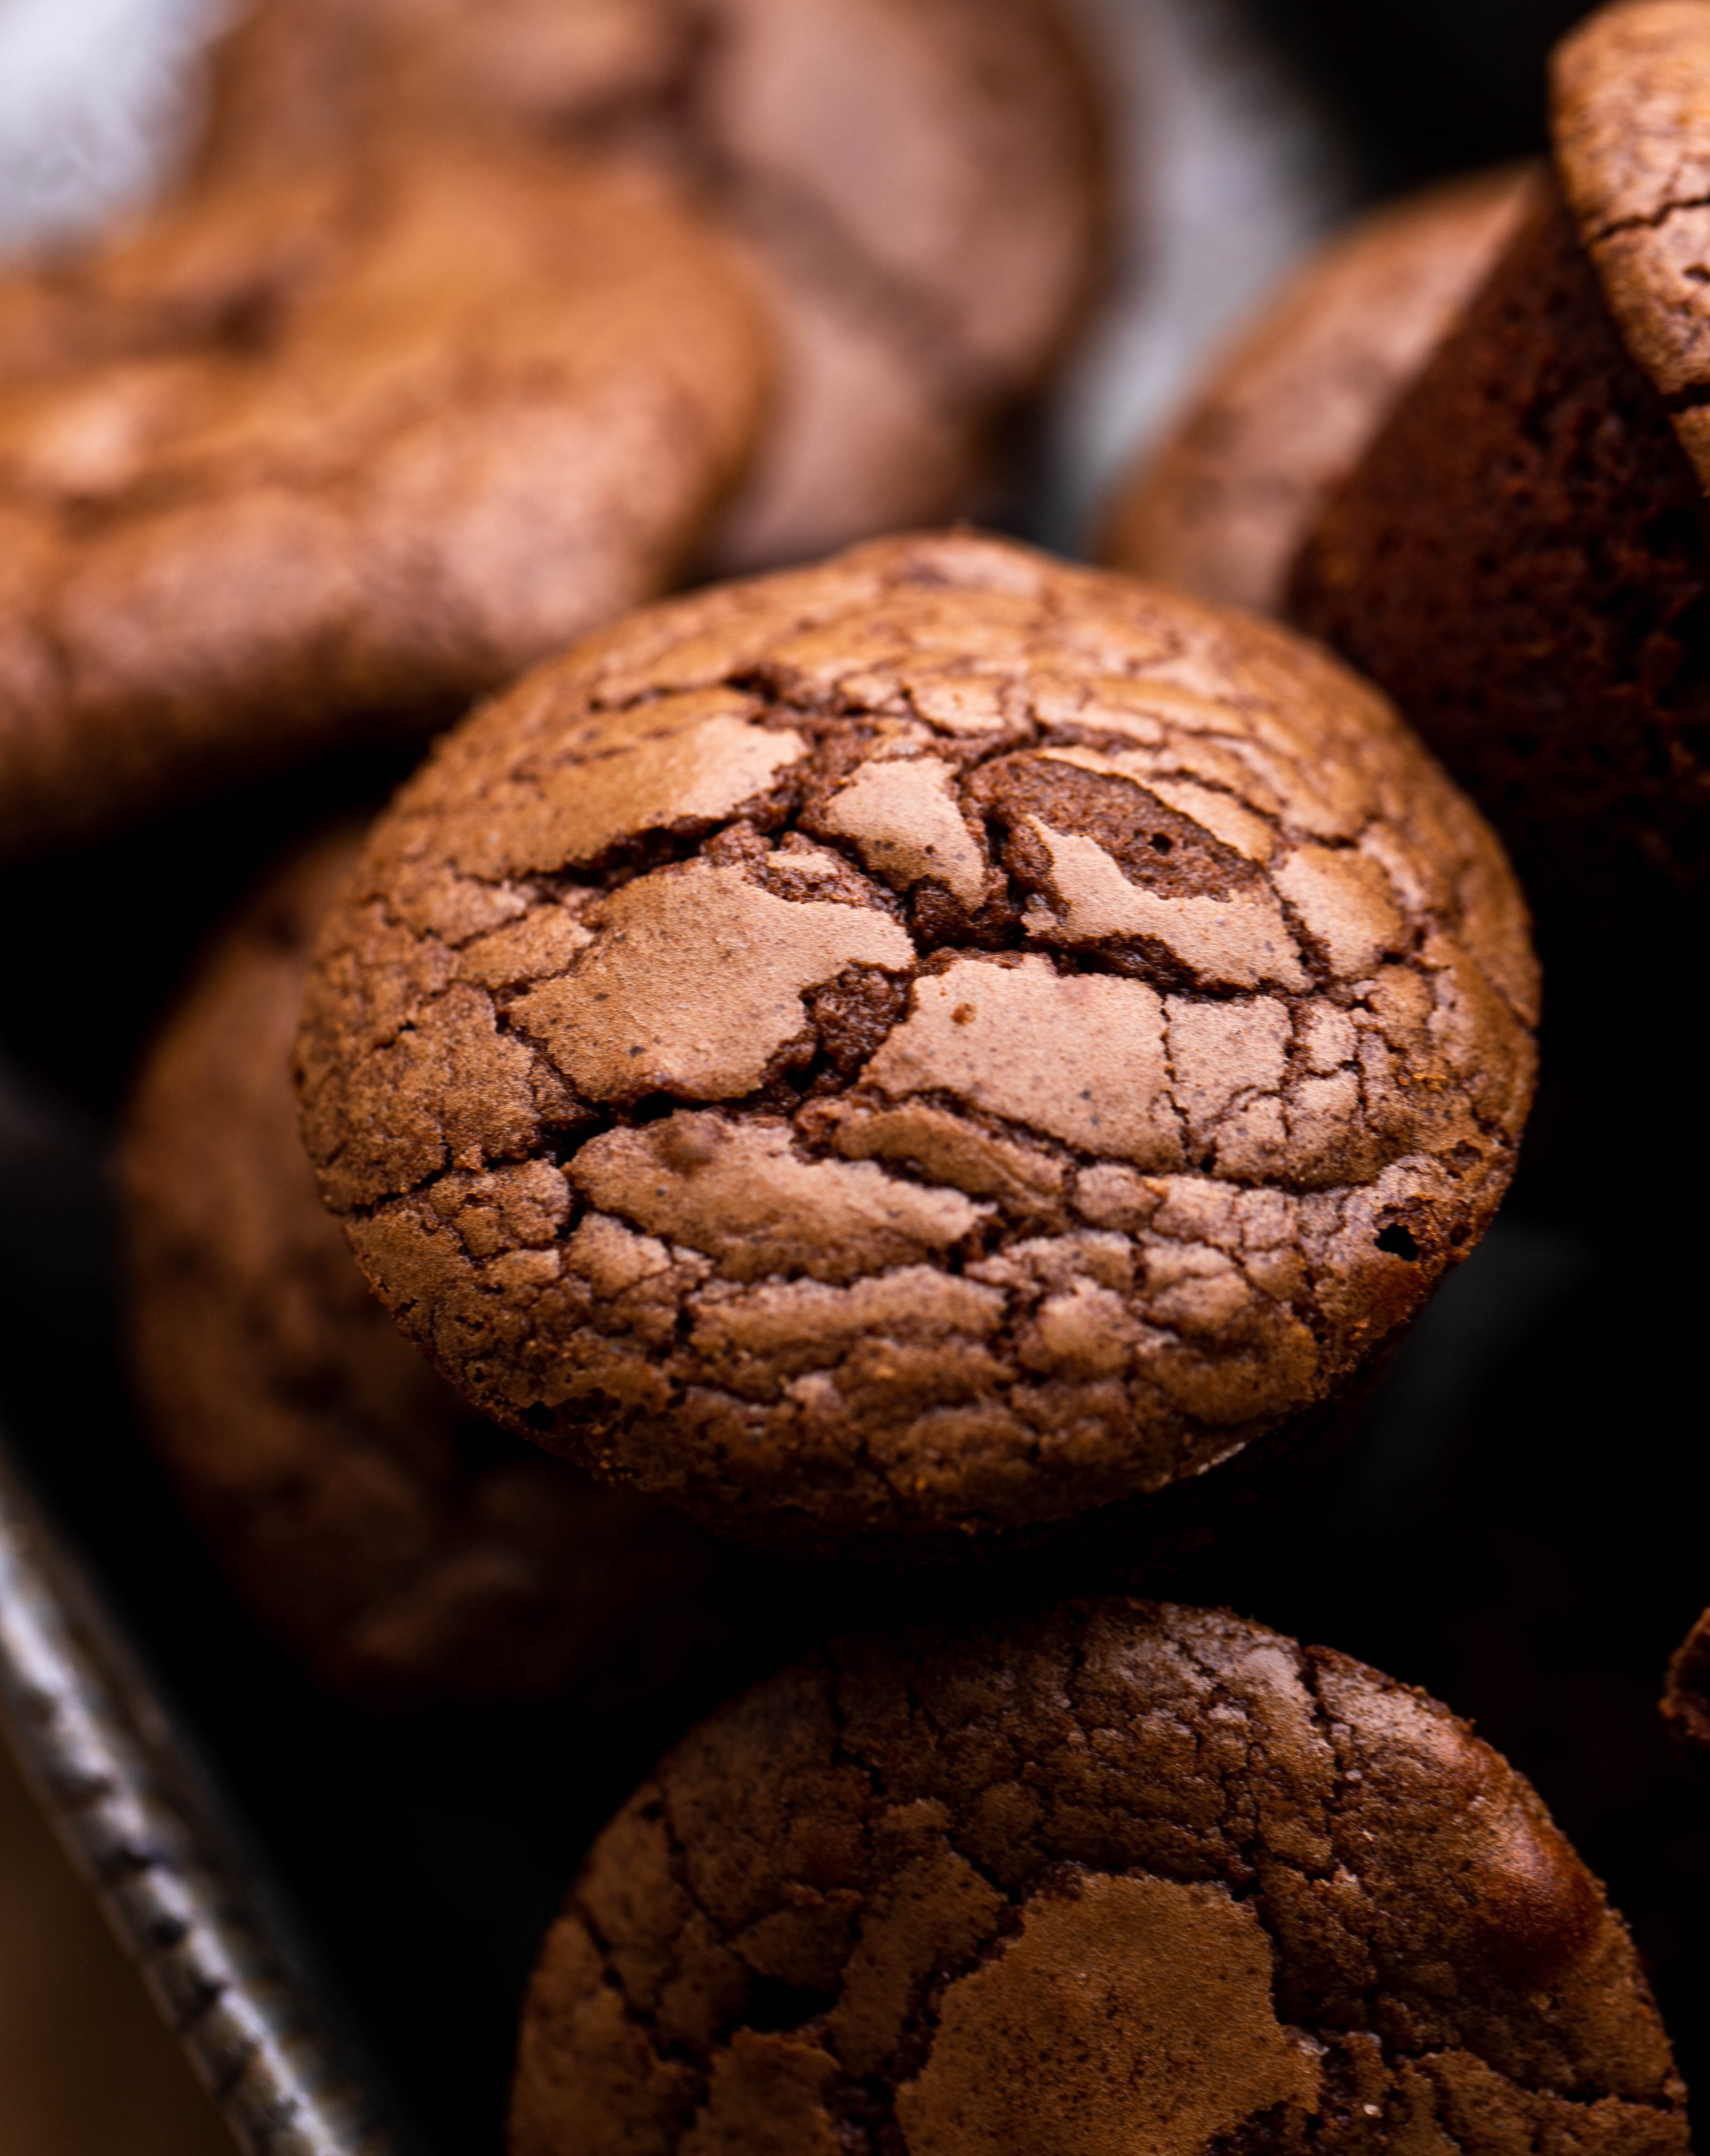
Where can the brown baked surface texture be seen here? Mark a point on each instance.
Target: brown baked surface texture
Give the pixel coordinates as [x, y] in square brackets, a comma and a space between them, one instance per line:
[1631, 116]
[938, 1040]
[1520, 562]
[403, 1548]
[1123, 1876]
[302, 457]
[1685, 1703]
[921, 182]
[1221, 504]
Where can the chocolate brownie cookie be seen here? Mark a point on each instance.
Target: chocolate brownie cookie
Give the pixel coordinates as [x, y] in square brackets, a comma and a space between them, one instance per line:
[940, 1040]
[1123, 1876]
[1685, 1703]
[1221, 505]
[302, 458]
[1521, 560]
[920, 181]
[403, 1548]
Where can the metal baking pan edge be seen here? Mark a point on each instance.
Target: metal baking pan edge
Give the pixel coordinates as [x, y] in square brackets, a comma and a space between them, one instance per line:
[140, 1822]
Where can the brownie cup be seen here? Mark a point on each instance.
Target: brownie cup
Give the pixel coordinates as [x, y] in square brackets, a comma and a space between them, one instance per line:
[1520, 560]
[403, 1549]
[1221, 504]
[313, 457]
[937, 1041]
[1124, 1876]
[920, 183]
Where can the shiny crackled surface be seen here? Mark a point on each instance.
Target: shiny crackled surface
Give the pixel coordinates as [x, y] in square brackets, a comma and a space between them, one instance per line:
[1129, 1877]
[941, 1039]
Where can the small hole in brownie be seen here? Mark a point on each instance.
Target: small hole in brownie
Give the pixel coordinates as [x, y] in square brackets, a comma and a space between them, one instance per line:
[539, 1417]
[1395, 1240]
[1161, 842]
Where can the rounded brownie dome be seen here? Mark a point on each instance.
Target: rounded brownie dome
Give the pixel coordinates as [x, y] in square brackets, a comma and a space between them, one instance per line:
[317, 459]
[400, 1547]
[943, 1040]
[1125, 1875]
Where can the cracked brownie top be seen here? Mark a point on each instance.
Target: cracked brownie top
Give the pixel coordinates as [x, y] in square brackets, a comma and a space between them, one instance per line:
[941, 1039]
[1125, 1875]
[406, 1550]
[298, 459]
[1630, 108]
[920, 183]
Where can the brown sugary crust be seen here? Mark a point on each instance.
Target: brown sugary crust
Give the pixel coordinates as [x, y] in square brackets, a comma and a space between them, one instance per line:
[1221, 505]
[301, 458]
[1122, 1876]
[940, 1040]
[921, 182]
[1686, 1702]
[1521, 562]
[403, 1549]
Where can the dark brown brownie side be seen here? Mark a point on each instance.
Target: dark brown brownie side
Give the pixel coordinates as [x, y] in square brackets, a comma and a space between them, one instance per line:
[1521, 562]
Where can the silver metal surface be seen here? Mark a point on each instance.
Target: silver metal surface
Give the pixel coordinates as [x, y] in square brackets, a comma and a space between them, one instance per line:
[117, 1784]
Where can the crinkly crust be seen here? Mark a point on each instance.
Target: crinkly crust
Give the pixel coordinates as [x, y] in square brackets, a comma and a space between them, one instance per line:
[1630, 103]
[312, 457]
[1221, 505]
[402, 1550]
[943, 1040]
[1123, 1876]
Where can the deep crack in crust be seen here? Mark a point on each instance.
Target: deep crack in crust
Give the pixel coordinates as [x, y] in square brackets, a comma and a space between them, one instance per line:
[1121, 1875]
[403, 1549]
[921, 184]
[940, 1040]
[302, 458]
